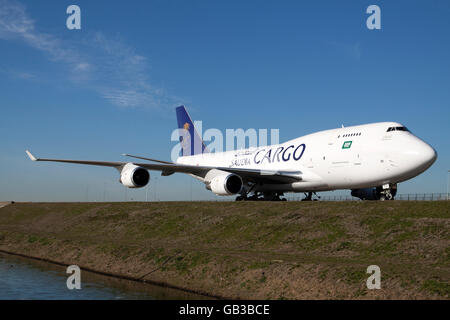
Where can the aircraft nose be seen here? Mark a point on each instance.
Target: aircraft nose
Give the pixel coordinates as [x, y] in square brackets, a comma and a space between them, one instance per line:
[418, 155]
[426, 154]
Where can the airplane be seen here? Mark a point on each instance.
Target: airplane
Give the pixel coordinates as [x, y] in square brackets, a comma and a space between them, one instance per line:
[369, 159]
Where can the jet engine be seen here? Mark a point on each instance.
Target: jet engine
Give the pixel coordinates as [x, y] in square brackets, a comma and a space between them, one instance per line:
[366, 194]
[133, 176]
[223, 183]
[376, 193]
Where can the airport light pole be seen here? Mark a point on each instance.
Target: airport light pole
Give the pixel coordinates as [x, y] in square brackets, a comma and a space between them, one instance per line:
[156, 186]
[448, 181]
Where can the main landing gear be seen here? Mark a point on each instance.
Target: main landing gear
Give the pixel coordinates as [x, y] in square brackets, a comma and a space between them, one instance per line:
[261, 196]
[308, 196]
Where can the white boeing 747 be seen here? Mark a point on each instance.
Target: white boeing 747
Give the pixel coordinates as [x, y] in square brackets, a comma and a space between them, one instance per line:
[368, 159]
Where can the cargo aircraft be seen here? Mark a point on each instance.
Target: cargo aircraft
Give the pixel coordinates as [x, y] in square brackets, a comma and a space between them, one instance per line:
[369, 159]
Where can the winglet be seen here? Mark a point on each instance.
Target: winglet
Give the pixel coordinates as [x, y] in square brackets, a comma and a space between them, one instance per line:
[30, 156]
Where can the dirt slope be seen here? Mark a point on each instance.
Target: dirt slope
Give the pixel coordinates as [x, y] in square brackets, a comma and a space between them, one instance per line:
[255, 250]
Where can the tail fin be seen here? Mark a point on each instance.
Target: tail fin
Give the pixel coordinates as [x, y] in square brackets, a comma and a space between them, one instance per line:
[190, 140]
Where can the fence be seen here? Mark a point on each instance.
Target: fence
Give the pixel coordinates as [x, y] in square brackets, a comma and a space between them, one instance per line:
[406, 197]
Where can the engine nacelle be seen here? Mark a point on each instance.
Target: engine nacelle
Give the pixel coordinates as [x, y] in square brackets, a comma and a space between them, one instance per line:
[376, 193]
[133, 176]
[223, 183]
[366, 194]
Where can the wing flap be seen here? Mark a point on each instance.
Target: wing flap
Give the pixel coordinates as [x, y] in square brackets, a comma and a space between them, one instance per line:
[144, 158]
[270, 176]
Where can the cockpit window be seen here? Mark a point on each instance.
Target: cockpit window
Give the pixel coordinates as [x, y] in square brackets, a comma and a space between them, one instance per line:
[397, 129]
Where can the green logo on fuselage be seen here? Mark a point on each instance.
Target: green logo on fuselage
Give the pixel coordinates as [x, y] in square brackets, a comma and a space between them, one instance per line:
[347, 145]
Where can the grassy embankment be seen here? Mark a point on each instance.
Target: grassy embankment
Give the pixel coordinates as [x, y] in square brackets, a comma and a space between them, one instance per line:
[254, 250]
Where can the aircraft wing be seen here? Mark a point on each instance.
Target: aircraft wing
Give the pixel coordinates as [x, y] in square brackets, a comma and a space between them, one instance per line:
[164, 167]
[168, 168]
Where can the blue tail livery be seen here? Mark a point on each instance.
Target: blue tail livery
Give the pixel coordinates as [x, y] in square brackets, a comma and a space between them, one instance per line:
[191, 142]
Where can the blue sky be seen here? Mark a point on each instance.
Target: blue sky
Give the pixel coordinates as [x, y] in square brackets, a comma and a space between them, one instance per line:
[300, 66]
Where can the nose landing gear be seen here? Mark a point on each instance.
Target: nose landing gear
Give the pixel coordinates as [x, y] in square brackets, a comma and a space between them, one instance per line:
[387, 191]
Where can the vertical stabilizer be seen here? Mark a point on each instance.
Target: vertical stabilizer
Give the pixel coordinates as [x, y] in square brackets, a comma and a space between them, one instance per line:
[191, 142]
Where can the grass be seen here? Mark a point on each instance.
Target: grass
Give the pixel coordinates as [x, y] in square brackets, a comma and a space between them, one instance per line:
[438, 287]
[230, 244]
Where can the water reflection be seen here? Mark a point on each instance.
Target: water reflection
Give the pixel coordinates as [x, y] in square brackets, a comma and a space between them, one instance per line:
[22, 278]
